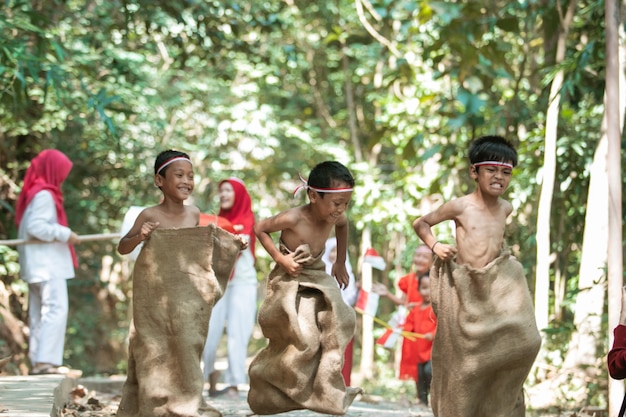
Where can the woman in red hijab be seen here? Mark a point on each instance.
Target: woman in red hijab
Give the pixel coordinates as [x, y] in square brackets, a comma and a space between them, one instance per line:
[236, 310]
[46, 266]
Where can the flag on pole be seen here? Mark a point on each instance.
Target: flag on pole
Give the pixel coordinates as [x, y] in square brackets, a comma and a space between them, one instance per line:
[393, 332]
[388, 339]
[373, 258]
[367, 303]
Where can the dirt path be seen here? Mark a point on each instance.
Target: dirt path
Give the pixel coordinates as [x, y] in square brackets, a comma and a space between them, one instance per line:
[100, 398]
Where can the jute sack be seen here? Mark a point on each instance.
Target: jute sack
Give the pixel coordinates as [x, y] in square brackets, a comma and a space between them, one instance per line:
[308, 326]
[178, 277]
[486, 340]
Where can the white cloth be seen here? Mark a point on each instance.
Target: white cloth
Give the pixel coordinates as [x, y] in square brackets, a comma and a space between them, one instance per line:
[351, 292]
[235, 311]
[41, 262]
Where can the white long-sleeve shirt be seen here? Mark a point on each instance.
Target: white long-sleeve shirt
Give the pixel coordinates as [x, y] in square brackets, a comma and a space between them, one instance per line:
[41, 262]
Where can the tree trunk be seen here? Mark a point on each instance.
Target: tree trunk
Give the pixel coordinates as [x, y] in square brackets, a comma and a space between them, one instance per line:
[542, 284]
[581, 359]
[614, 110]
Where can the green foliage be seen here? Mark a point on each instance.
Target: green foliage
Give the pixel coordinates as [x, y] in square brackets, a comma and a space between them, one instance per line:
[396, 90]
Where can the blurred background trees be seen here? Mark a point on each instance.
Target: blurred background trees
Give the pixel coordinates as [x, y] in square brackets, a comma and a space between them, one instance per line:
[264, 91]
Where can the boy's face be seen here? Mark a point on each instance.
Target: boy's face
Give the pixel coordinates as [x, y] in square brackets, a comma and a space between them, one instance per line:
[177, 180]
[492, 179]
[333, 205]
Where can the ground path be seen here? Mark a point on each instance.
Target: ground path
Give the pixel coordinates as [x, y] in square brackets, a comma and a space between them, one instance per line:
[54, 395]
[59, 396]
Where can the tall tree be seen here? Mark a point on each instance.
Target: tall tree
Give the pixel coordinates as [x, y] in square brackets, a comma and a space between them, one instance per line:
[542, 282]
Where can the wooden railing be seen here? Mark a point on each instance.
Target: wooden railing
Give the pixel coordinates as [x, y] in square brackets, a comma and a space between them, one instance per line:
[83, 238]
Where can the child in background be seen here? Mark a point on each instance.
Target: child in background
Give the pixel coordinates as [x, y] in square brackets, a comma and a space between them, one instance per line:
[304, 316]
[407, 300]
[421, 320]
[487, 337]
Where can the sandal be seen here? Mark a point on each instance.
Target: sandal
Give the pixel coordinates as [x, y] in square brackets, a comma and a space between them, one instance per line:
[49, 370]
[217, 392]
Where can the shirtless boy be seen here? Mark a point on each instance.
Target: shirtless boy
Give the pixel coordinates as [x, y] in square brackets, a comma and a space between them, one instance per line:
[487, 337]
[303, 315]
[479, 217]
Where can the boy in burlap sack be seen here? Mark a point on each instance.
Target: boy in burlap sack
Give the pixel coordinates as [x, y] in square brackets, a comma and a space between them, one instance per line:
[303, 315]
[180, 273]
[487, 337]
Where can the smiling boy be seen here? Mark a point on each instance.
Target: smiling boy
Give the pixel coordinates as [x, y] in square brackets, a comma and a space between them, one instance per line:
[173, 174]
[303, 315]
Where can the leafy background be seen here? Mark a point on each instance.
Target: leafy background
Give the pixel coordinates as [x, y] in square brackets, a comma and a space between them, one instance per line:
[264, 91]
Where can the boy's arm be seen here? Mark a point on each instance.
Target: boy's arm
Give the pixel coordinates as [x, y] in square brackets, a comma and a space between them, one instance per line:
[339, 270]
[140, 231]
[423, 225]
[278, 223]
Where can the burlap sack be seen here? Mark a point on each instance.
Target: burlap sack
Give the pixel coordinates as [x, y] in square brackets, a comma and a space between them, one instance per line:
[178, 277]
[308, 326]
[486, 340]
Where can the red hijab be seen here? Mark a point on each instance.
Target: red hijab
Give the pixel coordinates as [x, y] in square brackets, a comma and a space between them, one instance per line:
[241, 212]
[47, 171]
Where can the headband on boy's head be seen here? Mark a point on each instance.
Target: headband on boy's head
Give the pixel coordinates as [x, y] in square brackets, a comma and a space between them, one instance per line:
[494, 163]
[306, 185]
[172, 160]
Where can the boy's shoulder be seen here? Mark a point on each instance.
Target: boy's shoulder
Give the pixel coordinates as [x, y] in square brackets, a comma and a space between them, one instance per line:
[192, 209]
[294, 212]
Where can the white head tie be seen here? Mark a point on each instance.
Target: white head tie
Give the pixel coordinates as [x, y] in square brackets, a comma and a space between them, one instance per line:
[494, 163]
[170, 161]
[319, 190]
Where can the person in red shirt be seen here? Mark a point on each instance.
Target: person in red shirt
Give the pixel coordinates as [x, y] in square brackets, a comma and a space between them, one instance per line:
[409, 297]
[617, 355]
[421, 320]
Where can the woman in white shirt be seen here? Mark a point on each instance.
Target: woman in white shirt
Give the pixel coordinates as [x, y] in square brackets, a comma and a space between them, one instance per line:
[236, 310]
[46, 266]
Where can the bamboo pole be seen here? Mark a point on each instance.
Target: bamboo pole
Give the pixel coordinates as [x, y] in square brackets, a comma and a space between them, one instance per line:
[83, 238]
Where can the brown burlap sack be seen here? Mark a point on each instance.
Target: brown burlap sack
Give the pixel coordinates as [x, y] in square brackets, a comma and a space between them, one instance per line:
[178, 277]
[308, 326]
[486, 340]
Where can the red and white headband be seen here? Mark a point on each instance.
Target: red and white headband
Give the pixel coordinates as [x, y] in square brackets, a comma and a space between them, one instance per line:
[319, 190]
[494, 163]
[170, 161]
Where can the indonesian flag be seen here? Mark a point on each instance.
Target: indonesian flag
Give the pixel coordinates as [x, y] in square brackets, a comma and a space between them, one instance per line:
[373, 258]
[393, 332]
[367, 303]
[388, 339]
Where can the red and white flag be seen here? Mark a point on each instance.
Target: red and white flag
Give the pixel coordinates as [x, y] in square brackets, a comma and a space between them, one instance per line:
[392, 334]
[388, 339]
[367, 303]
[373, 258]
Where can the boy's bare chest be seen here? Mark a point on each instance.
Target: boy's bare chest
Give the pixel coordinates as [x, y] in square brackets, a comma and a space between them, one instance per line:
[314, 235]
[176, 221]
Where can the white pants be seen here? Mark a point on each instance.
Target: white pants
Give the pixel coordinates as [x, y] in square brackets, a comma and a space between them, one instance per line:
[48, 307]
[237, 310]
